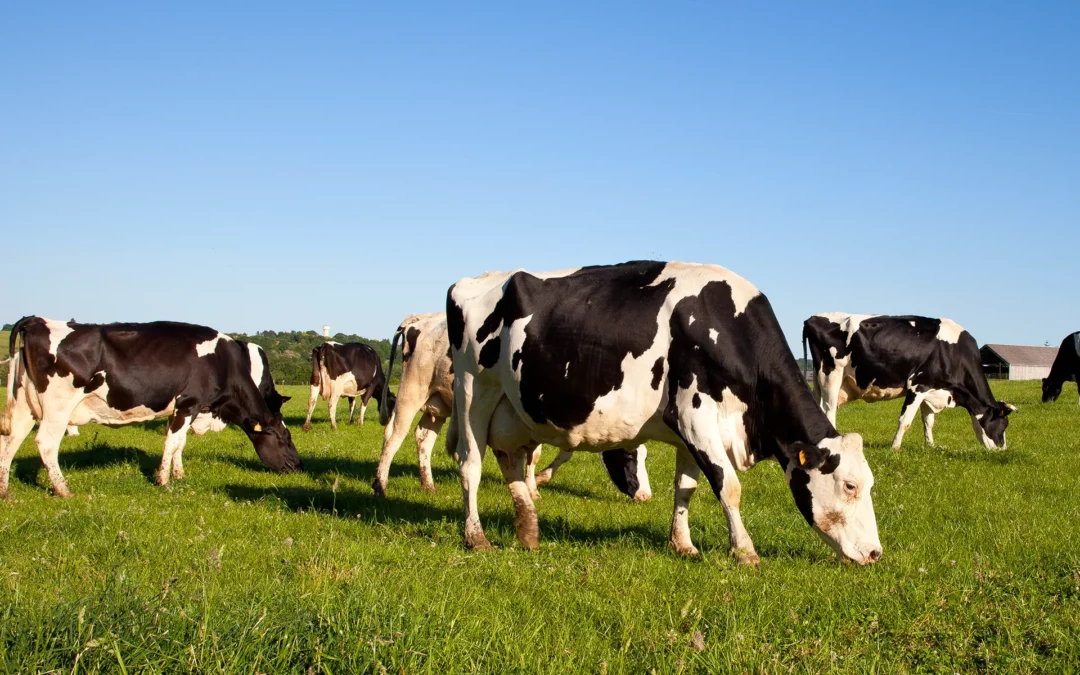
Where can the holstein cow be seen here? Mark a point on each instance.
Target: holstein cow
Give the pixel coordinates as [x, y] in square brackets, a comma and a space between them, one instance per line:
[353, 370]
[933, 363]
[427, 386]
[1066, 368]
[687, 354]
[125, 373]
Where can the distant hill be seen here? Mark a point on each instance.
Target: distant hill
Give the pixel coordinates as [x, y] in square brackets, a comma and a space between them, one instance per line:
[289, 352]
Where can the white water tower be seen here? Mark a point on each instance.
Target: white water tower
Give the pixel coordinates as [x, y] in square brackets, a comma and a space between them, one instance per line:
[326, 331]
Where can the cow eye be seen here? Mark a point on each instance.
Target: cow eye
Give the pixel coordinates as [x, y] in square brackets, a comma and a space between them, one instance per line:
[850, 488]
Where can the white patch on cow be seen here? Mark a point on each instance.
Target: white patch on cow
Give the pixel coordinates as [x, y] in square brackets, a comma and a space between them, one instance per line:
[980, 433]
[713, 335]
[690, 278]
[848, 322]
[208, 347]
[690, 321]
[566, 373]
[833, 352]
[58, 330]
[949, 331]
[256, 363]
[733, 430]
[94, 407]
[204, 422]
[912, 323]
[331, 342]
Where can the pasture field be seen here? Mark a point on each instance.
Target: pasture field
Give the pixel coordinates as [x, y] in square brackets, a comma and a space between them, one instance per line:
[238, 570]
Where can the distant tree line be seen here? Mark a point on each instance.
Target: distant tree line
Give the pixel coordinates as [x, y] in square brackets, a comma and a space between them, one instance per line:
[289, 352]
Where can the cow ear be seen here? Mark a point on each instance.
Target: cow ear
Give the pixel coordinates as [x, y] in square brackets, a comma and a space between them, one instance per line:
[286, 398]
[804, 455]
[1006, 408]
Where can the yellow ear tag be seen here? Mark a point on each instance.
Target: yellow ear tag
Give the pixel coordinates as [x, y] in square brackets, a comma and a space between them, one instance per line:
[257, 427]
[802, 458]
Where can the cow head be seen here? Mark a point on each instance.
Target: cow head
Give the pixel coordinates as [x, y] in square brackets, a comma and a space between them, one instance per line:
[273, 443]
[990, 425]
[831, 484]
[1051, 390]
[274, 401]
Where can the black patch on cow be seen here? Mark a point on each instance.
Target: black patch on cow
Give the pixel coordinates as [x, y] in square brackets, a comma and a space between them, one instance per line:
[621, 467]
[657, 373]
[591, 319]
[455, 321]
[96, 381]
[800, 490]
[411, 335]
[489, 353]
[515, 360]
[696, 400]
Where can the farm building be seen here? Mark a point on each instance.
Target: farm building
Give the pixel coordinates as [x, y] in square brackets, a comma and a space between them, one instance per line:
[1017, 362]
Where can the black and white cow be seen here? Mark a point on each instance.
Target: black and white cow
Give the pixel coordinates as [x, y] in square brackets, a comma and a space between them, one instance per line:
[353, 370]
[608, 356]
[124, 373]
[427, 387]
[1066, 368]
[933, 363]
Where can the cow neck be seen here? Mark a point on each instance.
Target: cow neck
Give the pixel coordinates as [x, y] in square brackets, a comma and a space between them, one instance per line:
[784, 412]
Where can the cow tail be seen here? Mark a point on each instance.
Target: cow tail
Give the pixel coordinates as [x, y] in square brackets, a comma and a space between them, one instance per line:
[805, 338]
[386, 407]
[9, 406]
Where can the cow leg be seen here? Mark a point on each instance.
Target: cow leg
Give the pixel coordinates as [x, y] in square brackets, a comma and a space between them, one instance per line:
[48, 441]
[72, 430]
[313, 398]
[472, 414]
[175, 439]
[513, 469]
[352, 407]
[363, 403]
[397, 427]
[927, 423]
[427, 432]
[530, 472]
[547, 474]
[22, 423]
[335, 396]
[912, 402]
[644, 492]
[686, 481]
[834, 382]
[707, 444]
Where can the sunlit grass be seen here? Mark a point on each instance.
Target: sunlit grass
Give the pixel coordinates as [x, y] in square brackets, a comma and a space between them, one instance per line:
[236, 569]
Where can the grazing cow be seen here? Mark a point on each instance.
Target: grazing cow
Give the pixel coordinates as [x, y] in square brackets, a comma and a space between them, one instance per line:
[124, 373]
[427, 386]
[933, 363]
[353, 370]
[1066, 368]
[687, 354]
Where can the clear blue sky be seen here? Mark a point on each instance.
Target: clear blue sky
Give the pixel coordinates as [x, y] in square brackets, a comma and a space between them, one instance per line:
[285, 165]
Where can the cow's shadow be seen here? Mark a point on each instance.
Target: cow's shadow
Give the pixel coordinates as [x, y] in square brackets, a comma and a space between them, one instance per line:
[343, 503]
[27, 469]
[360, 469]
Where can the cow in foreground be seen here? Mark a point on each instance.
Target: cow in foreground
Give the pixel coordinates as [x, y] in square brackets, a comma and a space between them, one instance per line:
[353, 370]
[427, 387]
[124, 373]
[691, 355]
[933, 363]
[1066, 368]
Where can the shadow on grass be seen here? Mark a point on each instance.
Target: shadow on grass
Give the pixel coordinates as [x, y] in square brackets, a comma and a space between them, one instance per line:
[26, 469]
[343, 503]
[363, 470]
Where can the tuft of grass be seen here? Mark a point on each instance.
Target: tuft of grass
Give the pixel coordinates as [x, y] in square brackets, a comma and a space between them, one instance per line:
[236, 569]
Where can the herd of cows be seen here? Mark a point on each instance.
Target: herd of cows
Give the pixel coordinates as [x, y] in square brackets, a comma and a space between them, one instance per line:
[597, 359]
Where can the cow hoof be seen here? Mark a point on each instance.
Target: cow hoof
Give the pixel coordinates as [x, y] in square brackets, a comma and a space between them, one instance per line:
[379, 488]
[642, 496]
[689, 551]
[543, 477]
[6, 496]
[179, 475]
[476, 541]
[161, 479]
[747, 560]
[63, 492]
[307, 426]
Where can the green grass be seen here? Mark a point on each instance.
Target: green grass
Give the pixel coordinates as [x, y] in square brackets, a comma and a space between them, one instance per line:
[235, 569]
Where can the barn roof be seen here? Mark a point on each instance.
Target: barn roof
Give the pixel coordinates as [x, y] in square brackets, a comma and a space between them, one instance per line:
[1022, 355]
